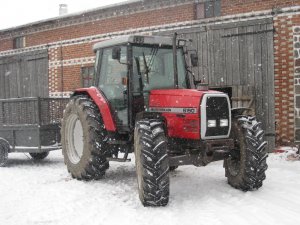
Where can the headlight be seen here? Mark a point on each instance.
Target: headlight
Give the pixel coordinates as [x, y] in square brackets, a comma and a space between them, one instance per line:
[224, 123]
[211, 123]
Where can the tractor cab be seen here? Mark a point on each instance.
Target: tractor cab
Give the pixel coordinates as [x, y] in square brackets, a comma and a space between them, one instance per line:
[129, 67]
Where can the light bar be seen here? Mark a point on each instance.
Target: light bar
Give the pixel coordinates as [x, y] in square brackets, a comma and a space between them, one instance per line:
[211, 123]
[224, 123]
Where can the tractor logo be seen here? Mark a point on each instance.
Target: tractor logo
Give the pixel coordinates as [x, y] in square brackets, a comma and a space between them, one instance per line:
[173, 110]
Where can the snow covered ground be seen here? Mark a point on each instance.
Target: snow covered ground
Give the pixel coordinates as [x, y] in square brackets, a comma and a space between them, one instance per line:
[44, 193]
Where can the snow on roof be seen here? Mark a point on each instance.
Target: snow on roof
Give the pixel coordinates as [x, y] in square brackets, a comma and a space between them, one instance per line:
[70, 15]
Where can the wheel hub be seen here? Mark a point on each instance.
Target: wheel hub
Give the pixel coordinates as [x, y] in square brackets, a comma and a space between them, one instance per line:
[75, 139]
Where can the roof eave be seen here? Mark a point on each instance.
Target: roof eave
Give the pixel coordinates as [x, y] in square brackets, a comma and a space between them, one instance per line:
[152, 40]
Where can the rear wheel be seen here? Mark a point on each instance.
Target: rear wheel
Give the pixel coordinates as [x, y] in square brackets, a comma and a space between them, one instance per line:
[173, 168]
[4, 149]
[152, 164]
[84, 139]
[39, 156]
[245, 167]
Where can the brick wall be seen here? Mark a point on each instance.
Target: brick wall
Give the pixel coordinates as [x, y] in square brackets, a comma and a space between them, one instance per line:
[65, 64]
[286, 113]
[71, 81]
[82, 54]
[151, 18]
[77, 51]
[145, 19]
[230, 7]
[6, 44]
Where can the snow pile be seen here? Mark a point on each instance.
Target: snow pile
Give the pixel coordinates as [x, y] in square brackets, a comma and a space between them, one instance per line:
[286, 153]
[44, 193]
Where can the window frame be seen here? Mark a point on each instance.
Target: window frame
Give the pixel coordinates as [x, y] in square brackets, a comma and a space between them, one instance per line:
[208, 9]
[184, 64]
[91, 81]
[19, 42]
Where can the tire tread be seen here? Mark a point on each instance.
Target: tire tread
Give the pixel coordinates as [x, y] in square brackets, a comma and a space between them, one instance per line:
[155, 172]
[96, 166]
[255, 163]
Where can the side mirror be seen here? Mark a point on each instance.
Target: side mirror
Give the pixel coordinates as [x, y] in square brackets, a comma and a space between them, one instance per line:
[116, 53]
[201, 86]
[197, 82]
[194, 59]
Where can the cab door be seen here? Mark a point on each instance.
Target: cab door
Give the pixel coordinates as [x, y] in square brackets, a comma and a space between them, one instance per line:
[113, 83]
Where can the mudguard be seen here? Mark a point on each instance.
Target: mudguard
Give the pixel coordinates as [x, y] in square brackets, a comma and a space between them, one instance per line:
[102, 104]
[239, 111]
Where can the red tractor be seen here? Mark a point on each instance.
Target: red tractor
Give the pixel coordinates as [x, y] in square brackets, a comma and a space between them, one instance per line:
[144, 102]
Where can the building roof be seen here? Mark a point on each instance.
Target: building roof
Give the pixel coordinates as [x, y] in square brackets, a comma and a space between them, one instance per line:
[113, 10]
[71, 15]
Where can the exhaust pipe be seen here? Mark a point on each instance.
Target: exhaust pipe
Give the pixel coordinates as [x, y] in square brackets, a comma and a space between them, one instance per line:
[175, 61]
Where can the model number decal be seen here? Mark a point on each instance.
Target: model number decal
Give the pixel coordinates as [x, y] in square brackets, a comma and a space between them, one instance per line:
[174, 110]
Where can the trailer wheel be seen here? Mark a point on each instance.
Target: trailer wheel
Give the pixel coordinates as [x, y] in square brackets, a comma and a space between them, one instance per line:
[152, 164]
[39, 156]
[84, 139]
[4, 149]
[173, 168]
[245, 167]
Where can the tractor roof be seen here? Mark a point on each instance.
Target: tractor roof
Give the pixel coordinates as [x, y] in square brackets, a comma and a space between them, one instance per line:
[134, 39]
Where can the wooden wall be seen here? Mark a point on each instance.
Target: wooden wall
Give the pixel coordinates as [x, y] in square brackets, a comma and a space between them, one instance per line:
[239, 56]
[24, 75]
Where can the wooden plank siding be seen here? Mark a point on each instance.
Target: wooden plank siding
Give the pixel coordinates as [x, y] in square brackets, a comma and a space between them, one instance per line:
[239, 55]
[24, 75]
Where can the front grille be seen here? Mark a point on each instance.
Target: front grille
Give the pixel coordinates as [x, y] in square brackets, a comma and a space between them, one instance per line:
[215, 107]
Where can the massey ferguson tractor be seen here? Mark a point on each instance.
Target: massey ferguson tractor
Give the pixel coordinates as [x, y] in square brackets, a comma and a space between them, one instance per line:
[145, 101]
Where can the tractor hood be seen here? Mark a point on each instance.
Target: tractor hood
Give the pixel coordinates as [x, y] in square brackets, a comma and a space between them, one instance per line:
[176, 100]
[187, 112]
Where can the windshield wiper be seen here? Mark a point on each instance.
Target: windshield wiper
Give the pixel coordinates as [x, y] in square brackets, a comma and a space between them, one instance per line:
[139, 73]
[146, 68]
[148, 65]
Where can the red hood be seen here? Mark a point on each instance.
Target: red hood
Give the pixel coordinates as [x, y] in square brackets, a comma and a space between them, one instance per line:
[177, 98]
[181, 92]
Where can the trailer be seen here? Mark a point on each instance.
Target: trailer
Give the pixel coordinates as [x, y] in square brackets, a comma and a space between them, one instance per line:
[30, 125]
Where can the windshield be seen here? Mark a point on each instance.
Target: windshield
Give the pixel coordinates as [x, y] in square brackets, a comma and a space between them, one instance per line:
[153, 68]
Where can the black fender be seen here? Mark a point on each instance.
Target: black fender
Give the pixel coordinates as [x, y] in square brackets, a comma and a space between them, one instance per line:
[239, 111]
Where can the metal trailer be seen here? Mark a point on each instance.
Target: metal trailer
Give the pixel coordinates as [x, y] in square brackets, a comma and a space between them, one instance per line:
[30, 125]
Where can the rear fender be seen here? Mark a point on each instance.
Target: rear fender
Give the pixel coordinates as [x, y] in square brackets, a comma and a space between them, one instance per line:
[102, 104]
[239, 111]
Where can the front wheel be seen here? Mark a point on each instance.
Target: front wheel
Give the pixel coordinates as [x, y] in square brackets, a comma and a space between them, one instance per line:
[245, 167]
[152, 163]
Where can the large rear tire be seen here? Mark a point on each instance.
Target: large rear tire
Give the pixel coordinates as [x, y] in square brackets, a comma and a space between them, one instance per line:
[152, 164]
[84, 139]
[245, 167]
[4, 149]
